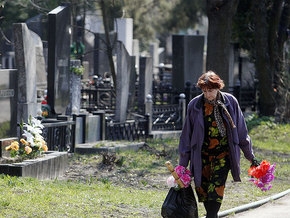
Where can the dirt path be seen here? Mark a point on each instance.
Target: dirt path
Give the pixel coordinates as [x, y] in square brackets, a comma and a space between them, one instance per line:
[96, 169]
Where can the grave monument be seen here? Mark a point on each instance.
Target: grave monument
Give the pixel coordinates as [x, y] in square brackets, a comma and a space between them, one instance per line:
[59, 59]
[8, 102]
[25, 60]
[187, 60]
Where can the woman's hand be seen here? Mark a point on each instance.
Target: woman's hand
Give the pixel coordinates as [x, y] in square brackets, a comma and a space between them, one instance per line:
[255, 162]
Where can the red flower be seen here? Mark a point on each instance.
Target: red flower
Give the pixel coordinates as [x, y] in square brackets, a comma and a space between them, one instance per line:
[262, 175]
[260, 170]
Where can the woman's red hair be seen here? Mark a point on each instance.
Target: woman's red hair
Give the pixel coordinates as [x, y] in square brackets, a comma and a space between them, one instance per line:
[210, 80]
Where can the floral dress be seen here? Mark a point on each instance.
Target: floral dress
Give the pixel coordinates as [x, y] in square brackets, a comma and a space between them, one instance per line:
[215, 160]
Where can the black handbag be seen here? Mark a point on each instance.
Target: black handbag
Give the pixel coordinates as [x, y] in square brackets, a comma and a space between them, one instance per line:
[180, 204]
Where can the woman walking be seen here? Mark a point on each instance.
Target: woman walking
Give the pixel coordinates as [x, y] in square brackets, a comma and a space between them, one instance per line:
[212, 137]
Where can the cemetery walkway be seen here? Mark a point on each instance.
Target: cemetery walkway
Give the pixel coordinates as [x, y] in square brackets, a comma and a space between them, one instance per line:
[273, 207]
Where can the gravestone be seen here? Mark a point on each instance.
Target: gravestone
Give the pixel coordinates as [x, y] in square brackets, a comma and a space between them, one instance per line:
[25, 60]
[93, 127]
[124, 71]
[94, 26]
[89, 127]
[136, 53]
[247, 72]
[8, 102]
[101, 63]
[59, 59]
[132, 98]
[86, 66]
[41, 75]
[187, 60]
[155, 58]
[124, 29]
[145, 80]
[8, 60]
[75, 89]
[38, 25]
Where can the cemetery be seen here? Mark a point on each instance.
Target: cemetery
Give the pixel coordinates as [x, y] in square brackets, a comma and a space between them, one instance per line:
[99, 152]
[80, 103]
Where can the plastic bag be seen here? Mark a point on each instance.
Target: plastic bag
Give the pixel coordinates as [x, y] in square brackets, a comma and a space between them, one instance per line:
[180, 203]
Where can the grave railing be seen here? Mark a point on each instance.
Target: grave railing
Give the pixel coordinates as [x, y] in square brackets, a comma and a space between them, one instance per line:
[59, 135]
[166, 111]
[165, 117]
[164, 94]
[130, 130]
[98, 98]
[247, 98]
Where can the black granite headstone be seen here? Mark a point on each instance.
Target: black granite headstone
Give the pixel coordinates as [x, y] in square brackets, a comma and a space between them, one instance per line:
[59, 59]
[187, 59]
[101, 63]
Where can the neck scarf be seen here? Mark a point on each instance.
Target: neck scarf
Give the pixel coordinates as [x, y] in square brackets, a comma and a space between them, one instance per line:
[220, 124]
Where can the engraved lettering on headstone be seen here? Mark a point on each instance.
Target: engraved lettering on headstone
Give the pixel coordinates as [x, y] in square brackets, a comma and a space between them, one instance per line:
[6, 93]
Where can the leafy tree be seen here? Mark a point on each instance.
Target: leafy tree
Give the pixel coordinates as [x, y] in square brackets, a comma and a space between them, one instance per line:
[160, 19]
[185, 14]
[151, 19]
[146, 18]
[11, 15]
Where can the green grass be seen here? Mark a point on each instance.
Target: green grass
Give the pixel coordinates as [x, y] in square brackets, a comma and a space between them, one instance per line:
[271, 143]
[92, 197]
[26, 197]
[4, 129]
[273, 138]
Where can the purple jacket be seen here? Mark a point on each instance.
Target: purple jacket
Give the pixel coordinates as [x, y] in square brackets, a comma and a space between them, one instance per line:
[192, 137]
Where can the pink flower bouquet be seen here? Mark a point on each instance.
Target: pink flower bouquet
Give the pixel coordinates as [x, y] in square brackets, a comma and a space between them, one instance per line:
[184, 175]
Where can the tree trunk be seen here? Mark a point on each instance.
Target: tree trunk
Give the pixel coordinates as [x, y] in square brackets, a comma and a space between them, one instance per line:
[264, 68]
[281, 78]
[109, 45]
[220, 15]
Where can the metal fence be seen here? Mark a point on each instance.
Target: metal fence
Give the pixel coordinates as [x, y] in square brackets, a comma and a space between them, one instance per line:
[247, 98]
[166, 117]
[164, 110]
[98, 98]
[59, 135]
[131, 130]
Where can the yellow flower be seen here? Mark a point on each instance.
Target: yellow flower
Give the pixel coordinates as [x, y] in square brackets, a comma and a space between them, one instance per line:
[44, 147]
[24, 142]
[28, 150]
[31, 141]
[44, 113]
[13, 146]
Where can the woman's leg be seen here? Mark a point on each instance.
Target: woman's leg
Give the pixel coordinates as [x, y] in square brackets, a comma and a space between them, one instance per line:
[212, 209]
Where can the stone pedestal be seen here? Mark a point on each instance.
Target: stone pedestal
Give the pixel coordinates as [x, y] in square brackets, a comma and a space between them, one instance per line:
[51, 166]
[75, 89]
